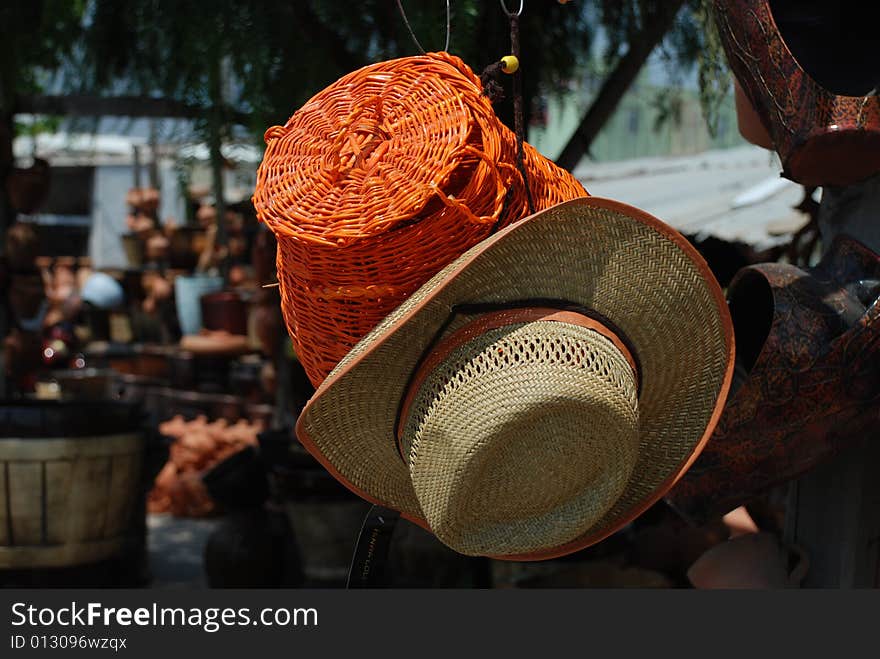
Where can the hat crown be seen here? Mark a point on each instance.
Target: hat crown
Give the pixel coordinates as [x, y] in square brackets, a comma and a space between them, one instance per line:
[522, 437]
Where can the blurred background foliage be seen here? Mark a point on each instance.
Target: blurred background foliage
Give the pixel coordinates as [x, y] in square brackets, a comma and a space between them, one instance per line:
[266, 59]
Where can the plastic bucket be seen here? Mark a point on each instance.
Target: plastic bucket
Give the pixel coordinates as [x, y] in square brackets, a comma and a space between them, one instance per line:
[188, 291]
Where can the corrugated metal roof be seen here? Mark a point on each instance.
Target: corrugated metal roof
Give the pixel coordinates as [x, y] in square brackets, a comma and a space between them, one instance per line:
[63, 148]
[733, 194]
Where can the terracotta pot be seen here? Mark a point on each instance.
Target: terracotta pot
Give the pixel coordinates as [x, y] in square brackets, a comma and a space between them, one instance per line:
[82, 384]
[750, 125]
[29, 187]
[226, 311]
[133, 285]
[186, 244]
[245, 381]
[22, 247]
[182, 370]
[215, 344]
[261, 414]
[152, 361]
[22, 356]
[148, 361]
[145, 200]
[263, 256]
[157, 247]
[141, 224]
[206, 215]
[750, 561]
[239, 276]
[191, 404]
[26, 296]
[268, 322]
[134, 249]
[208, 373]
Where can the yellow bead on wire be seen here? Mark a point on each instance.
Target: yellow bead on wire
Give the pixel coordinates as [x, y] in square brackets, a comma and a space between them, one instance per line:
[509, 64]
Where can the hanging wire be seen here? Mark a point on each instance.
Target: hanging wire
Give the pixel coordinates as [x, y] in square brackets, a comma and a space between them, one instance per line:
[510, 13]
[448, 27]
[413, 34]
[519, 127]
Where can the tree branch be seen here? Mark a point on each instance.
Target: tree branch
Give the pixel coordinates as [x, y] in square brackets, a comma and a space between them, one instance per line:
[616, 84]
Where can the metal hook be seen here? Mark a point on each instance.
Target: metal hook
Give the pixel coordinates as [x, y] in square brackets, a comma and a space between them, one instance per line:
[509, 13]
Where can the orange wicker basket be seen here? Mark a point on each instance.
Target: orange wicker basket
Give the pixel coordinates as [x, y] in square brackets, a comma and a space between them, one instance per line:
[378, 182]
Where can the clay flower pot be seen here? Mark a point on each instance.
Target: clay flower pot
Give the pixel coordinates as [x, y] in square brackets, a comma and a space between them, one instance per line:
[157, 247]
[750, 125]
[224, 310]
[29, 187]
[749, 561]
[26, 297]
[186, 245]
[146, 200]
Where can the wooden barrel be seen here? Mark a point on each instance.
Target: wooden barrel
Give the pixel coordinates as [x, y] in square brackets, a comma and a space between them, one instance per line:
[141, 390]
[70, 474]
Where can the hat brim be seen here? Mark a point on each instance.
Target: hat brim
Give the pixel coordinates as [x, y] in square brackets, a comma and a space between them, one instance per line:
[619, 261]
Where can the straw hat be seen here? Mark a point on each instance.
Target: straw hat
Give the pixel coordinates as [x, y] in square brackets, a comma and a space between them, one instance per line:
[538, 393]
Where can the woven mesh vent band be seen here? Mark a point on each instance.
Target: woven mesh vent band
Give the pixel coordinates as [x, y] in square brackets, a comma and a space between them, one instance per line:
[522, 438]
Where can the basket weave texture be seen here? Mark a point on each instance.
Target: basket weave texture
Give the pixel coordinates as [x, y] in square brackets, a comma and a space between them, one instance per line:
[378, 182]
